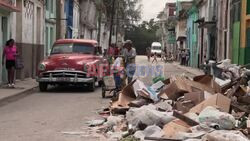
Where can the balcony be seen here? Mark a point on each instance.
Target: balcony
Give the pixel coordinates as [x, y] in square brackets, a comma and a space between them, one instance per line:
[9, 5]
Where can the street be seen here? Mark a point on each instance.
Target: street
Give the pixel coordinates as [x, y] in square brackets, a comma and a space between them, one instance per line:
[45, 116]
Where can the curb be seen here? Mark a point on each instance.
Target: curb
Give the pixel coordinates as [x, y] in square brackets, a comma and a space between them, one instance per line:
[17, 96]
[186, 69]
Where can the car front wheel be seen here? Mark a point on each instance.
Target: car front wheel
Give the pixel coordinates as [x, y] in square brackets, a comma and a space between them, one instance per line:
[43, 87]
[92, 86]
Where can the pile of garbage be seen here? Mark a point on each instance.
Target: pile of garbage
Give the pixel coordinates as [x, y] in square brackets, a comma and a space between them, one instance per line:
[203, 108]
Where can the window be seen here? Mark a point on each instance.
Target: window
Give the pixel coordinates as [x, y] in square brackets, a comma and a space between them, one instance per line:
[51, 37]
[248, 38]
[47, 40]
[248, 7]
[73, 48]
[47, 4]
[52, 6]
[237, 11]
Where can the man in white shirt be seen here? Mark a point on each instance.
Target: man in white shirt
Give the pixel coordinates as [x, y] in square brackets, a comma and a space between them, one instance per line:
[130, 55]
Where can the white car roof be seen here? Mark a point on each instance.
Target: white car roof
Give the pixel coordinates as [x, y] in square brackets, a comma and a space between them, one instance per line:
[156, 44]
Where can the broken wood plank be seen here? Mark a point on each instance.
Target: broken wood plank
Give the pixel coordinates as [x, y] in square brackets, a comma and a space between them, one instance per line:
[240, 108]
[248, 126]
[184, 118]
[160, 139]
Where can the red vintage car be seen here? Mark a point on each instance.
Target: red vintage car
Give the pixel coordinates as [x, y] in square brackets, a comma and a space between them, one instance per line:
[72, 61]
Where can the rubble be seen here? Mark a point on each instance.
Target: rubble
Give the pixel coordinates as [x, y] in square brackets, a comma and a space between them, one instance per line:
[203, 108]
[150, 131]
[213, 117]
[146, 116]
[223, 135]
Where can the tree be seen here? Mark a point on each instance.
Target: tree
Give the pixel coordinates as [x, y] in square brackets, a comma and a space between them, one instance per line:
[143, 35]
[125, 13]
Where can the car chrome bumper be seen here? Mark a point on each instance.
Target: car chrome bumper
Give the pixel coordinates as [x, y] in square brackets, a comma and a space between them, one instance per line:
[64, 76]
[65, 80]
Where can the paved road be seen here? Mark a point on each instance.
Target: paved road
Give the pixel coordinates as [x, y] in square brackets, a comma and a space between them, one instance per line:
[44, 116]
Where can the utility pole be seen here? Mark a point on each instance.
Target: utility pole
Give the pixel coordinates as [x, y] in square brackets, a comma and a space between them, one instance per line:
[112, 21]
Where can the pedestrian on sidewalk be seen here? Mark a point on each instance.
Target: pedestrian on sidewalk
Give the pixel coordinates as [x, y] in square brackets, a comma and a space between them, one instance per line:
[155, 58]
[9, 59]
[183, 57]
[130, 55]
[187, 57]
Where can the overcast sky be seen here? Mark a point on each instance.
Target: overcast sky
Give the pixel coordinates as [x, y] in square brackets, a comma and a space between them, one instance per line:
[151, 8]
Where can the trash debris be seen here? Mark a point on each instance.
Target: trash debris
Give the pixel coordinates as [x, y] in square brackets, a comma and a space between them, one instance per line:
[204, 108]
[113, 121]
[223, 135]
[94, 123]
[212, 116]
[171, 129]
[150, 131]
[218, 101]
[147, 115]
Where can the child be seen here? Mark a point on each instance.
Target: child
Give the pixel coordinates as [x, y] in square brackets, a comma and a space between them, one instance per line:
[155, 58]
[117, 69]
[162, 56]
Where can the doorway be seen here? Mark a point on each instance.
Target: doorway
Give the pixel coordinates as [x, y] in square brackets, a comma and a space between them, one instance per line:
[3, 38]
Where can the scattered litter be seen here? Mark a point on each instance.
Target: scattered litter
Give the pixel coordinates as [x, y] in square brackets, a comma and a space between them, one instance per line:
[146, 116]
[213, 107]
[94, 123]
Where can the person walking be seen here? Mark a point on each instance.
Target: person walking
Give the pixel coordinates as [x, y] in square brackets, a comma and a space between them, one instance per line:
[9, 59]
[162, 55]
[130, 55]
[155, 58]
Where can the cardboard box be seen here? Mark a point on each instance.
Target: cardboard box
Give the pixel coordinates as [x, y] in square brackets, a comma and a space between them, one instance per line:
[195, 97]
[183, 85]
[183, 107]
[208, 81]
[218, 101]
[189, 101]
[177, 89]
[198, 85]
[125, 97]
[171, 129]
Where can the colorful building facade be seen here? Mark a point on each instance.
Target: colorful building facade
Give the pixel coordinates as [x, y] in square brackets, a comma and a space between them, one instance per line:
[8, 11]
[50, 25]
[240, 27]
[192, 30]
[244, 56]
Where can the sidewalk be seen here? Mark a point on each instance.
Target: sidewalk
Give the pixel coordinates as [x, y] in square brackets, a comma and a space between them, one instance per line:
[22, 89]
[191, 70]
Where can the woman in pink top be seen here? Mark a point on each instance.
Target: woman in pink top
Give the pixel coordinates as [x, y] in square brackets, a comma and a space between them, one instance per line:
[9, 55]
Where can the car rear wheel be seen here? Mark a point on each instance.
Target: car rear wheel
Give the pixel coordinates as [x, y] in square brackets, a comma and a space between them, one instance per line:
[43, 87]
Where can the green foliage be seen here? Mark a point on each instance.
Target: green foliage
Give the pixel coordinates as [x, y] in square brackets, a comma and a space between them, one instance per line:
[142, 35]
[130, 138]
[127, 11]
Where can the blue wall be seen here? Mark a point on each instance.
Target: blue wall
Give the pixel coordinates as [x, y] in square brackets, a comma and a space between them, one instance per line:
[192, 31]
[69, 16]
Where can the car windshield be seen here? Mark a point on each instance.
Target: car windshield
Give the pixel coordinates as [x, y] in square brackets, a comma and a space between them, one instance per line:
[156, 47]
[72, 48]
